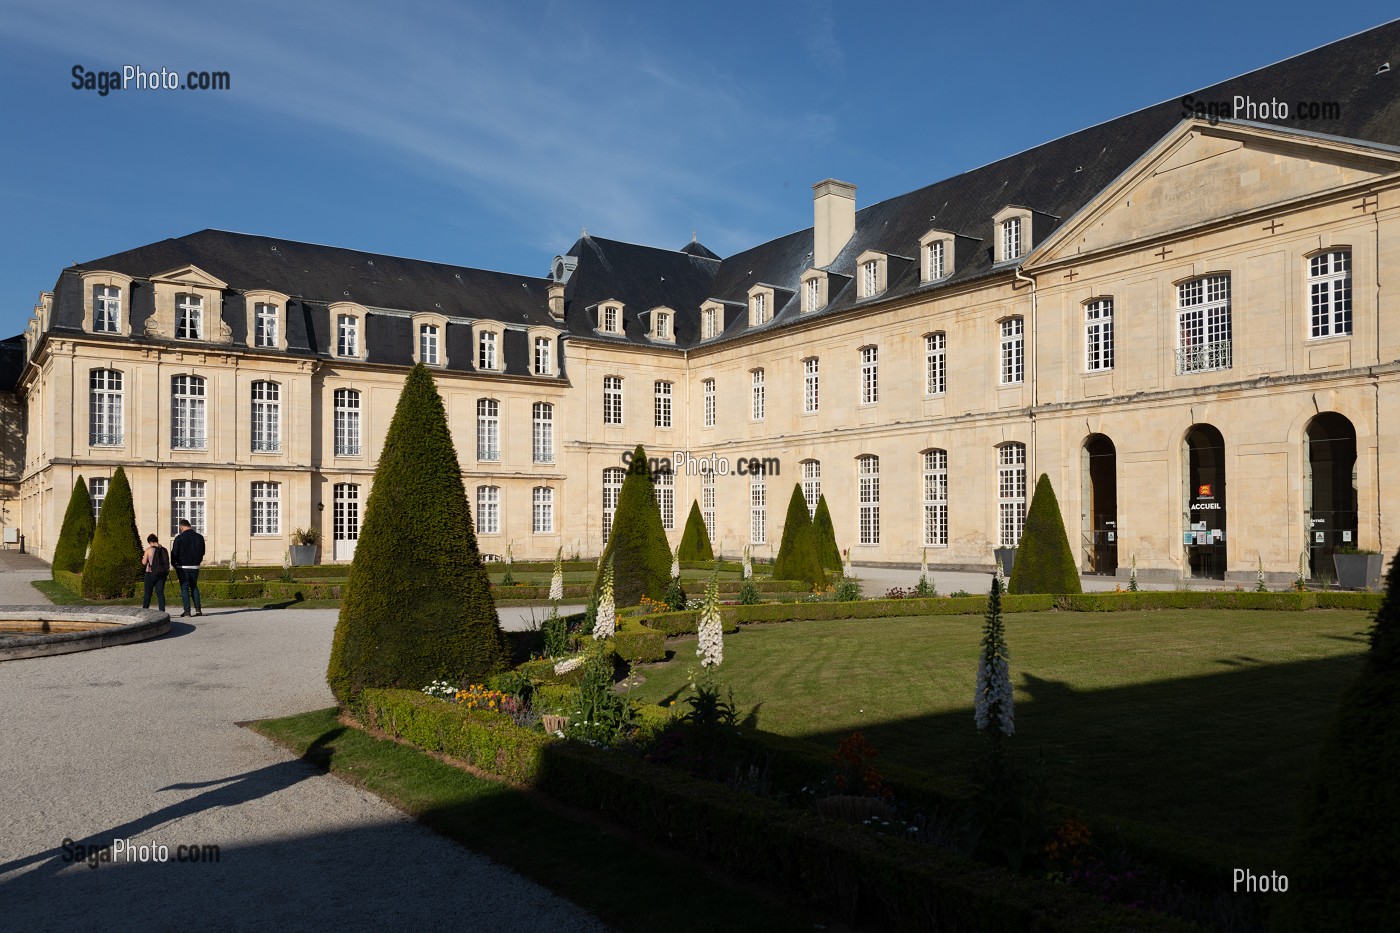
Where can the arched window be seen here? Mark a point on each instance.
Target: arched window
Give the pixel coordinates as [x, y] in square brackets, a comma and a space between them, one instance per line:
[1011, 493]
[868, 495]
[935, 498]
[935, 363]
[811, 484]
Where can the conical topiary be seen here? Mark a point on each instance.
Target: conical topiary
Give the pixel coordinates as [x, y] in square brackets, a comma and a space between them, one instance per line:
[70, 553]
[827, 550]
[637, 546]
[1345, 872]
[113, 567]
[417, 605]
[1044, 562]
[798, 557]
[695, 540]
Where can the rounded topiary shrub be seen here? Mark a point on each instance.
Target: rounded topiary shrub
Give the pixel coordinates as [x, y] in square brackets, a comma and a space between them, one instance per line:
[637, 546]
[113, 566]
[695, 540]
[1044, 562]
[798, 557]
[70, 553]
[417, 604]
[827, 550]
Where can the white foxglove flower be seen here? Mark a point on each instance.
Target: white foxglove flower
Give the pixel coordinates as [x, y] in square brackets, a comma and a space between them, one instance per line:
[846, 563]
[676, 564]
[556, 582]
[748, 563]
[992, 702]
[710, 630]
[566, 665]
[923, 563]
[605, 624]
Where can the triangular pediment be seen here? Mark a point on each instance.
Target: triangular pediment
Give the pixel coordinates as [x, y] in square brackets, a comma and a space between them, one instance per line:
[190, 275]
[1199, 174]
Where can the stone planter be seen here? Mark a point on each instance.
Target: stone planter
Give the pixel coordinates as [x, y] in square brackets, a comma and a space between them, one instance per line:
[1007, 556]
[303, 555]
[1358, 571]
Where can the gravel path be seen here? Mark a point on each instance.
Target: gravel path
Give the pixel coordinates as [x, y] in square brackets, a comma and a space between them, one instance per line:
[139, 742]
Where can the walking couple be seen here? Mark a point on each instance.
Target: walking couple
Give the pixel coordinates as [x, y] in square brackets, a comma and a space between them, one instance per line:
[186, 554]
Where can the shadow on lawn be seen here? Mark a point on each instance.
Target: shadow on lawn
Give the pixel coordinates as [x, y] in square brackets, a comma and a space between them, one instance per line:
[1224, 757]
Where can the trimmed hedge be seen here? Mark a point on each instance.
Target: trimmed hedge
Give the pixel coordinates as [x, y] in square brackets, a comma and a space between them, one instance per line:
[723, 566]
[695, 540]
[800, 553]
[542, 670]
[638, 644]
[76, 534]
[1044, 562]
[827, 550]
[637, 546]
[113, 567]
[483, 739]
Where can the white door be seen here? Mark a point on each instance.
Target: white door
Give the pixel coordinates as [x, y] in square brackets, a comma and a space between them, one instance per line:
[347, 520]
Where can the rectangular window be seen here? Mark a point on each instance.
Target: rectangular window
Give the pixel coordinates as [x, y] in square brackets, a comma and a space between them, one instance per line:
[935, 364]
[97, 491]
[187, 424]
[106, 309]
[610, 319]
[267, 501]
[1011, 493]
[264, 325]
[813, 296]
[612, 490]
[811, 386]
[1098, 335]
[760, 309]
[934, 268]
[663, 326]
[664, 487]
[811, 485]
[1011, 238]
[758, 509]
[428, 344]
[1329, 293]
[707, 501]
[488, 510]
[187, 502]
[757, 394]
[612, 400]
[189, 317]
[709, 323]
[544, 356]
[1013, 351]
[105, 408]
[869, 375]
[486, 355]
[868, 491]
[543, 509]
[543, 432]
[488, 429]
[267, 417]
[709, 386]
[1203, 325]
[936, 498]
[347, 423]
[347, 335]
[869, 278]
[663, 405]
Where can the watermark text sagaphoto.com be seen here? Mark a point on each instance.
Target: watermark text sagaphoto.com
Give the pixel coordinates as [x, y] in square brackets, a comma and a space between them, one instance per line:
[134, 77]
[1243, 107]
[127, 851]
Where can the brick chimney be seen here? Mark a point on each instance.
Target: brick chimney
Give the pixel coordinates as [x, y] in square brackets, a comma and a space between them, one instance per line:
[834, 203]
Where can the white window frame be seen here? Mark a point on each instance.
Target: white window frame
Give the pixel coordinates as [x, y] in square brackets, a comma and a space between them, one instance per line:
[1329, 294]
[868, 497]
[1011, 238]
[758, 309]
[106, 309]
[935, 254]
[811, 485]
[97, 492]
[611, 319]
[935, 464]
[756, 377]
[1011, 493]
[106, 408]
[612, 491]
[612, 400]
[1098, 335]
[707, 501]
[811, 385]
[265, 329]
[488, 430]
[188, 409]
[542, 510]
[189, 316]
[709, 323]
[265, 436]
[347, 423]
[487, 351]
[662, 406]
[347, 335]
[661, 325]
[935, 363]
[429, 342]
[488, 510]
[542, 432]
[1203, 324]
[708, 390]
[187, 499]
[758, 508]
[1013, 350]
[663, 486]
[266, 514]
[544, 356]
[870, 278]
[869, 375]
[811, 294]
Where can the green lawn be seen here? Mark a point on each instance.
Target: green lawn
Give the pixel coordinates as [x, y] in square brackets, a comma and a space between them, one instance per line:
[1202, 724]
[541, 577]
[629, 884]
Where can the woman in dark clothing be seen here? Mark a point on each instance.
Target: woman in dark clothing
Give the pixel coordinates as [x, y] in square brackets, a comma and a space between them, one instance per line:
[155, 560]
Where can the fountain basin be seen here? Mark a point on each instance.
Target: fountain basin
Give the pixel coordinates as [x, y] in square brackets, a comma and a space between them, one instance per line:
[39, 631]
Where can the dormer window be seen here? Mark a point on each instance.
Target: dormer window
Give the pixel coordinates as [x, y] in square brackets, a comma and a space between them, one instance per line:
[933, 260]
[812, 295]
[761, 305]
[1013, 233]
[544, 356]
[610, 318]
[711, 322]
[189, 317]
[347, 335]
[1011, 238]
[265, 325]
[486, 357]
[872, 268]
[428, 342]
[661, 325]
[106, 309]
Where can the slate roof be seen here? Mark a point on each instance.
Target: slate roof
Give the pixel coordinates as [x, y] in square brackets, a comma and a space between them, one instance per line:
[11, 362]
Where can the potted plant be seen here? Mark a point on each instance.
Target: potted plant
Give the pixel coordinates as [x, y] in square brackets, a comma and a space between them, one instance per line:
[303, 549]
[1357, 568]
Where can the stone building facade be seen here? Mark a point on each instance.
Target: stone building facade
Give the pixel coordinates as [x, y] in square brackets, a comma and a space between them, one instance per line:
[1184, 322]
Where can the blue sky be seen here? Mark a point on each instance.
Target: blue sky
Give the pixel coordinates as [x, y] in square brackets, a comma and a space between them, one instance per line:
[488, 134]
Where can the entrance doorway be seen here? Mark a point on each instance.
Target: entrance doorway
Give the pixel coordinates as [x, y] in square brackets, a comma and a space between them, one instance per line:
[1329, 493]
[1203, 502]
[346, 520]
[1099, 498]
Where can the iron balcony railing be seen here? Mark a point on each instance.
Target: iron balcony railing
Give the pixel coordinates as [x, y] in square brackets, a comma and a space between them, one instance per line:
[1203, 357]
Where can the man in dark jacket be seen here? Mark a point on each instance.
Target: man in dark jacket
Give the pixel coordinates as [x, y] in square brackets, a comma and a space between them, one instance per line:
[186, 554]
